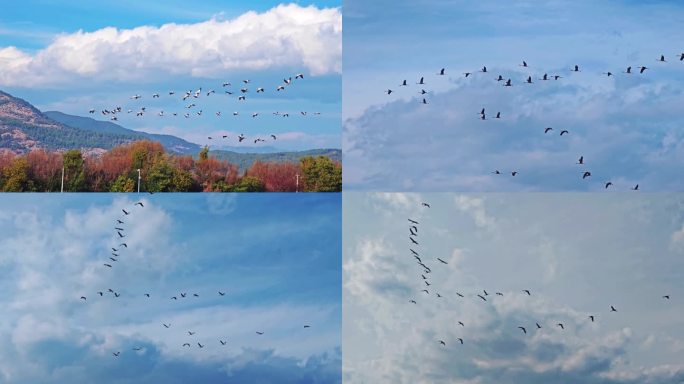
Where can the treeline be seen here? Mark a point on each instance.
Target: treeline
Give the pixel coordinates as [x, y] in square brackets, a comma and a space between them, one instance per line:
[117, 171]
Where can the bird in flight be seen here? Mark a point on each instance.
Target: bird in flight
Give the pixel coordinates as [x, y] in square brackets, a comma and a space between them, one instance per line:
[563, 132]
[191, 333]
[413, 221]
[147, 294]
[666, 297]
[125, 213]
[527, 291]
[259, 333]
[523, 329]
[636, 188]
[200, 345]
[591, 317]
[482, 297]
[608, 184]
[576, 69]
[586, 174]
[538, 326]
[612, 309]
[412, 240]
[642, 69]
[186, 344]
[166, 325]
[441, 72]
[581, 160]
[108, 265]
[116, 354]
[461, 324]
[442, 342]
[560, 325]
[120, 235]
[548, 129]
[459, 295]
[139, 203]
[461, 340]
[221, 293]
[223, 342]
[137, 348]
[83, 298]
[412, 301]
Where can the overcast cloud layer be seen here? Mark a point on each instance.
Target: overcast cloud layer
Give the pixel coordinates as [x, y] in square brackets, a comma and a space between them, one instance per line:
[578, 254]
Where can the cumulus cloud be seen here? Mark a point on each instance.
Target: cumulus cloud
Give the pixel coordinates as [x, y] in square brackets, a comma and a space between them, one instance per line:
[287, 36]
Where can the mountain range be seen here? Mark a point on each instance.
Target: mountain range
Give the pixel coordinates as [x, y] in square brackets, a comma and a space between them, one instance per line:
[23, 127]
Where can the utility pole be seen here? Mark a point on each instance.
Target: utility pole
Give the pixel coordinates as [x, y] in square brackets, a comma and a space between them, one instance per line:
[62, 189]
[138, 180]
[297, 185]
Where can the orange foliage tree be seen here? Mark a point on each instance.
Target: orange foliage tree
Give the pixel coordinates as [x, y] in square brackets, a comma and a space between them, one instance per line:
[277, 177]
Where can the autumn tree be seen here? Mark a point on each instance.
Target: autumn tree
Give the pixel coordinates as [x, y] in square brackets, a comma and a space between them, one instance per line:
[214, 175]
[321, 174]
[45, 169]
[276, 177]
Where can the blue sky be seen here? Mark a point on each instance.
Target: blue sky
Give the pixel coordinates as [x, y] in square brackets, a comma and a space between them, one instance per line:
[65, 56]
[578, 254]
[627, 127]
[276, 257]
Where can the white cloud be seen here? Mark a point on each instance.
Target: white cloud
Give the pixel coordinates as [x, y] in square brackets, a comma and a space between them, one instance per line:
[475, 206]
[284, 36]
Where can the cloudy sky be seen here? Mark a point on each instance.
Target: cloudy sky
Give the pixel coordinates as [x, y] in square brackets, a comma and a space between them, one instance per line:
[578, 254]
[276, 256]
[72, 56]
[627, 127]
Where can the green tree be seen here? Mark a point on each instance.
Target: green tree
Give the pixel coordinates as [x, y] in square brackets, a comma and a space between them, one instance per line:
[123, 184]
[74, 173]
[16, 176]
[183, 181]
[321, 174]
[249, 184]
[204, 154]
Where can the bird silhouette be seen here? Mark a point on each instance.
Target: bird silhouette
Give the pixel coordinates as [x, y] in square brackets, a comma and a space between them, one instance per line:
[560, 325]
[586, 174]
[612, 309]
[442, 261]
[523, 329]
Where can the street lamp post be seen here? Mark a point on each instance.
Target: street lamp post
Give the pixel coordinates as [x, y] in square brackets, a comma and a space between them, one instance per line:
[138, 180]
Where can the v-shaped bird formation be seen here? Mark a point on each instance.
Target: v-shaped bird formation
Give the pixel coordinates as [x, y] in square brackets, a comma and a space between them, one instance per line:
[530, 80]
[428, 291]
[118, 255]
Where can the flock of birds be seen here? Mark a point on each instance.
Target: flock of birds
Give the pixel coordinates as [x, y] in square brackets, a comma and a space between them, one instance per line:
[428, 288]
[116, 254]
[191, 97]
[508, 82]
